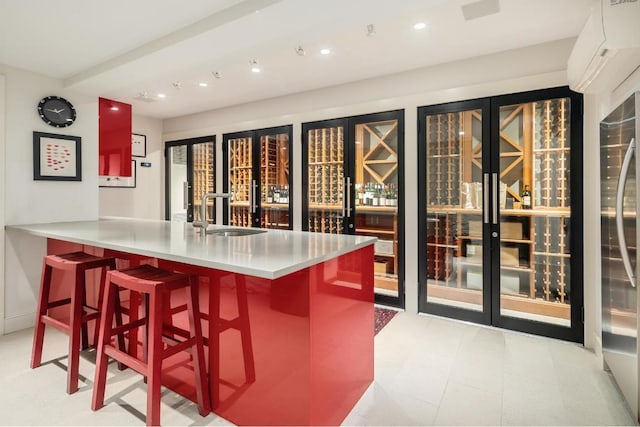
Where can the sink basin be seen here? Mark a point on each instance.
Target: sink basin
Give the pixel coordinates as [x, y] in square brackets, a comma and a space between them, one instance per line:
[231, 232]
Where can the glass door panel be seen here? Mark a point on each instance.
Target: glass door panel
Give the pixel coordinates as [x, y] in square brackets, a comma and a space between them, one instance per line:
[325, 180]
[203, 180]
[376, 200]
[240, 180]
[274, 181]
[178, 184]
[534, 200]
[189, 173]
[454, 209]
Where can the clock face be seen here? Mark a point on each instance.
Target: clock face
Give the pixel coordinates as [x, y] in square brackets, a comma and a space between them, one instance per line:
[56, 111]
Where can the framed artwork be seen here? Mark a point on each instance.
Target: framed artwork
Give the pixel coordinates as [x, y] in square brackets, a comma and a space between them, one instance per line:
[119, 181]
[56, 157]
[138, 145]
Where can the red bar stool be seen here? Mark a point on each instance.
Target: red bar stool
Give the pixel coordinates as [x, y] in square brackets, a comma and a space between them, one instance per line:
[155, 286]
[76, 263]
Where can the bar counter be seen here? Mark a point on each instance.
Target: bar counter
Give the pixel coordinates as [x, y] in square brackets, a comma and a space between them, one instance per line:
[289, 327]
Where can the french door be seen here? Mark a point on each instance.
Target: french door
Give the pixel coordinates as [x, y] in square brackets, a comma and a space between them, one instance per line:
[189, 173]
[352, 179]
[500, 215]
[257, 175]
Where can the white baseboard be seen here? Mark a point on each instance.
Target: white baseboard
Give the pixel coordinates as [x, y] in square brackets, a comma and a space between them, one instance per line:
[18, 323]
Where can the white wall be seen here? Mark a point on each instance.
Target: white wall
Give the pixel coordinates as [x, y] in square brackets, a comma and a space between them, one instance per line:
[29, 201]
[531, 68]
[2, 163]
[146, 199]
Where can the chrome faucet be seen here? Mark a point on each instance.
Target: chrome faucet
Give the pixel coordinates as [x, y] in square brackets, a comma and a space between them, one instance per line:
[203, 223]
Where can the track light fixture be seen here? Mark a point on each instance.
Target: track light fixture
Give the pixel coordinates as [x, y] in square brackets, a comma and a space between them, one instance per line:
[371, 30]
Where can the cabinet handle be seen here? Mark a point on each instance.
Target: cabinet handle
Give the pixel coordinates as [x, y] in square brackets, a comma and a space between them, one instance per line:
[495, 198]
[622, 180]
[485, 198]
[348, 197]
[185, 195]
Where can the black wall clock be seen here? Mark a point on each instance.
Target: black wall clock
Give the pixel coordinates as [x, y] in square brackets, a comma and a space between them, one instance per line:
[56, 111]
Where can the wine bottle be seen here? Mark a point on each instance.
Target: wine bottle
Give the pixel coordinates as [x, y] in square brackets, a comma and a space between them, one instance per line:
[526, 198]
[276, 194]
[383, 195]
[270, 195]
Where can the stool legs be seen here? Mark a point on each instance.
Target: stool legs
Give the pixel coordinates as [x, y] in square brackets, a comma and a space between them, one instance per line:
[75, 326]
[154, 296]
[104, 337]
[202, 389]
[38, 334]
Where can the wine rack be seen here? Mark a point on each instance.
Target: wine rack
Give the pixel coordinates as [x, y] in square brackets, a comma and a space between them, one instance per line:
[240, 173]
[534, 150]
[203, 179]
[376, 181]
[325, 177]
[274, 181]
[551, 191]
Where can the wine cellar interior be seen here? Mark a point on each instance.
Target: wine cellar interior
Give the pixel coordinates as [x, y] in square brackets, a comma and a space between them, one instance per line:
[203, 179]
[373, 187]
[272, 201]
[534, 151]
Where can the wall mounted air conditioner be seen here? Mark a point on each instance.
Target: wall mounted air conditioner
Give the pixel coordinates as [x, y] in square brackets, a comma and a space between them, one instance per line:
[608, 48]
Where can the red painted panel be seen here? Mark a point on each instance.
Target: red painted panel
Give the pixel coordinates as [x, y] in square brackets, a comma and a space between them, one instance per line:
[114, 138]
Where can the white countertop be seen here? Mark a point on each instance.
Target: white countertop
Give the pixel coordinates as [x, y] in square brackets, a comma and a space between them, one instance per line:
[270, 255]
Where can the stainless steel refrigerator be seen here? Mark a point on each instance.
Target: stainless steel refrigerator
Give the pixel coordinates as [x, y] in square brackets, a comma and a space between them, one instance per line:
[619, 167]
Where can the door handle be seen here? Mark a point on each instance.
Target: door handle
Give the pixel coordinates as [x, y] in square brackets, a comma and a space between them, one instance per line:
[185, 195]
[485, 198]
[348, 197]
[253, 204]
[622, 180]
[495, 198]
[344, 197]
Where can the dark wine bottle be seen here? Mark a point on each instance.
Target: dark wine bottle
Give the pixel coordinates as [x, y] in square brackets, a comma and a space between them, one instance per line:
[526, 198]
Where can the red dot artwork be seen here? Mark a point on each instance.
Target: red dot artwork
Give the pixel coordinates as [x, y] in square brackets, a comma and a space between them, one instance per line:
[57, 158]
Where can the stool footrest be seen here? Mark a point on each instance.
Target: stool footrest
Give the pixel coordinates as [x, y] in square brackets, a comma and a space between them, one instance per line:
[125, 328]
[61, 326]
[127, 359]
[58, 303]
[181, 346]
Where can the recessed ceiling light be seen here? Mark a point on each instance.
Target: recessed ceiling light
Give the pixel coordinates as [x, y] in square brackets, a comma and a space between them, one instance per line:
[217, 74]
[300, 51]
[419, 26]
[203, 84]
[255, 68]
[161, 95]
[325, 51]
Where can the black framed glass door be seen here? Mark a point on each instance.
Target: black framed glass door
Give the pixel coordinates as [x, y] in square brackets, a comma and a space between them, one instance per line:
[189, 173]
[352, 184]
[257, 175]
[501, 217]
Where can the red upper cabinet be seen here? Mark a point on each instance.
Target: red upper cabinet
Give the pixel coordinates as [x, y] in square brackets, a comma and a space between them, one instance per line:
[114, 138]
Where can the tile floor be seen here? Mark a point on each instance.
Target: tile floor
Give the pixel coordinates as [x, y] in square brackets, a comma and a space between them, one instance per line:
[429, 371]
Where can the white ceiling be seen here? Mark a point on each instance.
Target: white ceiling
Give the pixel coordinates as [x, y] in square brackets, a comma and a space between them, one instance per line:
[121, 48]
